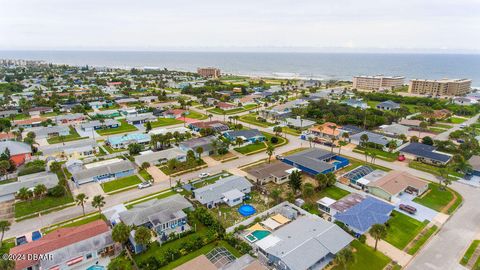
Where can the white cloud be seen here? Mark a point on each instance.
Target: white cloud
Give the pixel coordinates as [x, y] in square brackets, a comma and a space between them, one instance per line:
[157, 24]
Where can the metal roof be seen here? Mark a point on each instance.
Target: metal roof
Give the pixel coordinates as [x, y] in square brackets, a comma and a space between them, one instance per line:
[15, 148]
[427, 151]
[215, 191]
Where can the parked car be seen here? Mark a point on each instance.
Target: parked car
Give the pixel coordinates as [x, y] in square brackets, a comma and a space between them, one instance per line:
[407, 208]
[279, 157]
[144, 185]
[203, 175]
[463, 125]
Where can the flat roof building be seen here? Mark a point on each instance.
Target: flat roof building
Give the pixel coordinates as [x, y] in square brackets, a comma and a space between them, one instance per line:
[444, 87]
[209, 72]
[377, 82]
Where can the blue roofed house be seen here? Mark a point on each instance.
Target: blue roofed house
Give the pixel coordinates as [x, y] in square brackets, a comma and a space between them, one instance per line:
[249, 135]
[358, 212]
[425, 153]
[315, 161]
[123, 141]
[388, 105]
[230, 190]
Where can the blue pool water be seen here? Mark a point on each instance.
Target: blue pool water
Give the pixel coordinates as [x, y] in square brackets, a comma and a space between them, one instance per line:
[96, 267]
[260, 234]
[246, 210]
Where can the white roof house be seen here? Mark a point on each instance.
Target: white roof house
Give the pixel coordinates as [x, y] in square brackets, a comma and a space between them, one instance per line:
[224, 190]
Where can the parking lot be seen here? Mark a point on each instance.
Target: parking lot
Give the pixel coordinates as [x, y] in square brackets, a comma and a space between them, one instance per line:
[422, 213]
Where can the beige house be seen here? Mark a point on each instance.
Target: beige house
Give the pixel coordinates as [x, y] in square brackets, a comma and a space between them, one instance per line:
[444, 87]
[395, 183]
[276, 172]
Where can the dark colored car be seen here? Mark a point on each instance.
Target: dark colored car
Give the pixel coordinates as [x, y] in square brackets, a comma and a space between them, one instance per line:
[407, 208]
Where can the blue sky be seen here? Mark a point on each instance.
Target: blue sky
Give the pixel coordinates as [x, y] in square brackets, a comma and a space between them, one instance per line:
[305, 25]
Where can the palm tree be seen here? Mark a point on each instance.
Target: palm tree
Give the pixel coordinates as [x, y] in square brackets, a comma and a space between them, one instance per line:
[199, 151]
[24, 194]
[121, 233]
[344, 257]
[373, 155]
[378, 231]
[310, 140]
[39, 190]
[81, 199]
[98, 202]
[269, 151]
[4, 226]
[143, 236]
[210, 117]
[276, 195]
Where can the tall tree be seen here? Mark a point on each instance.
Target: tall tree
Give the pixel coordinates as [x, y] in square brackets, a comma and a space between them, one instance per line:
[143, 236]
[81, 199]
[120, 233]
[39, 190]
[378, 231]
[295, 181]
[98, 202]
[269, 152]
[4, 226]
[344, 257]
[199, 151]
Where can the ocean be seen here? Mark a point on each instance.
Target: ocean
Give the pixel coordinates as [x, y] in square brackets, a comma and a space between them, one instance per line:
[324, 66]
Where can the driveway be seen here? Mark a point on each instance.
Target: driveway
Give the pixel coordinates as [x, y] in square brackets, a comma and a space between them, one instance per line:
[474, 181]
[90, 134]
[157, 174]
[423, 212]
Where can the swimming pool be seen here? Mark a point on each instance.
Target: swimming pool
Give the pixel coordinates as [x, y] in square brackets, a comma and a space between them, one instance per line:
[256, 235]
[246, 210]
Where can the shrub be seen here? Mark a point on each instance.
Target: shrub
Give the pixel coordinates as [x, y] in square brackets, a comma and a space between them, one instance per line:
[362, 239]
[274, 140]
[57, 191]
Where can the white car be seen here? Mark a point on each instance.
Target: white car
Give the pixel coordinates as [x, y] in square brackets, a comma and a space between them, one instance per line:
[203, 175]
[144, 185]
[463, 125]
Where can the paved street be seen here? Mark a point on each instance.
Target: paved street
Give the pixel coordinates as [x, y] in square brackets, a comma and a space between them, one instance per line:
[442, 252]
[444, 135]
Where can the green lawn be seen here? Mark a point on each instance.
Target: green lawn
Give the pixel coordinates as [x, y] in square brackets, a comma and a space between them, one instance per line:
[402, 229]
[366, 258]
[121, 183]
[25, 208]
[445, 126]
[333, 192]
[233, 111]
[162, 122]
[74, 224]
[3, 182]
[125, 127]
[111, 150]
[291, 131]
[73, 136]
[432, 169]
[196, 115]
[145, 174]
[422, 240]
[250, 148]
[468, 254]
[162, 194]
[436, 130]
[387, 156]
[436, 198]
[281, 140]
[252, 119]
[456, 120]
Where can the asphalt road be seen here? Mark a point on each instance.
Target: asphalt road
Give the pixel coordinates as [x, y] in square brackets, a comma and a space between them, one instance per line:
[444, 135]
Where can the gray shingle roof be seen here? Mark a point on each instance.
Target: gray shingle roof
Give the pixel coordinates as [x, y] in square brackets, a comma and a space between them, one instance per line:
[159, 209]
[305, 241]
[28, 181]
[160, 155]
[248, 133]
[374, 138]
[116, 167]
[15, 148]
[214, 192]
[56, 148]
[97, 123]
[313, 159]
[204, 142]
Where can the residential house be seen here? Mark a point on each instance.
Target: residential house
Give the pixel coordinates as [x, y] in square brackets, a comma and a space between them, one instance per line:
[308, 242]
[438, 114]
[215, 125]
[36, 111]
[230, 190]
[29, 123]
[164, 216]
[19, 151]
[160, 157]
[245, 100]
[465, 101]
[51, 131]
[123, 141]
[474, 161]
[205, 143]
[225, 106]
[70, 150]
[276, 172]
[163, 131]
[396, 183]
[141, 118]
[298, 123]
[97, 124]
[148, 99]
[174, 113]
[103, 171]
[125, 101]
[388, 105]
[97, 104]
[105, 114]
[324, 132]
[410, 123]
[425, 153]
[30, 181]
[7, 136]
[359, 213]
[395, 129]
[356, 103]
[8, 113]
[67, 248]
[315, 160]
[70, 119]
[379, 140]
[247, 136]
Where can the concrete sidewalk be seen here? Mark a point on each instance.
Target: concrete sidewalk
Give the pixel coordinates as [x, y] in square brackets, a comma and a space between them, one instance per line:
[392, 252]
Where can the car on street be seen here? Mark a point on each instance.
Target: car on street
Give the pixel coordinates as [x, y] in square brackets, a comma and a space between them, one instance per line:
[407, 208]
[203, 175]
[144, 185]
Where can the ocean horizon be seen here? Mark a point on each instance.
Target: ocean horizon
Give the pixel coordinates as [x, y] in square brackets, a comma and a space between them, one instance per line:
[301, 65]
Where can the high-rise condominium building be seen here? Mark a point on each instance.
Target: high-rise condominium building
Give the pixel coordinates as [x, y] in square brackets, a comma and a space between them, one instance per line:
[209, 72]
[444, 87]
[378, 82]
